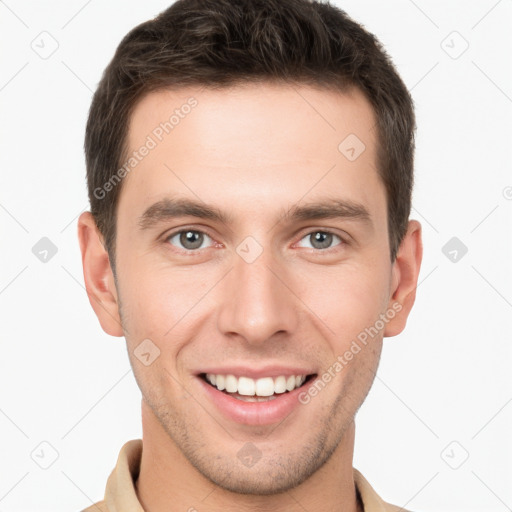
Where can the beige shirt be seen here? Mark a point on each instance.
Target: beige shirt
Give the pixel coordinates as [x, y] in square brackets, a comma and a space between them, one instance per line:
[120, 495]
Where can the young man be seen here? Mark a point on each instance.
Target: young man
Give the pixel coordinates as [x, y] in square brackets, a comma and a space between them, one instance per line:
[249, 167]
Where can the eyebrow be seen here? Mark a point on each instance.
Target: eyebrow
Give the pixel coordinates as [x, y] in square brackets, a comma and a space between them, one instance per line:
[329, 209]
[170, 208]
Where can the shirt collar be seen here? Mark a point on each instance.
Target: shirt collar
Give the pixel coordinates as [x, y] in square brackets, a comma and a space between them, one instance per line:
[120, 494]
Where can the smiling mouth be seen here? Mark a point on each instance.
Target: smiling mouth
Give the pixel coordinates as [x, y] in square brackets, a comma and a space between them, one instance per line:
[256, 390]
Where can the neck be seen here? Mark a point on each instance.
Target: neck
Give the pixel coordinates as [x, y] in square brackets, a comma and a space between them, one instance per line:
[168, 482]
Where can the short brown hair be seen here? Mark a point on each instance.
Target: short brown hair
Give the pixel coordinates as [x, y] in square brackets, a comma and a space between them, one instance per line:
[216, 43]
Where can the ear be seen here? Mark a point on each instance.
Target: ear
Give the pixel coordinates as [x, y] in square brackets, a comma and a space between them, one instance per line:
[406, 269]
[98, 276]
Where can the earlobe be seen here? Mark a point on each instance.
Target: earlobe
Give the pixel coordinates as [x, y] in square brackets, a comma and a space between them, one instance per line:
[98, 277]
[406, 270]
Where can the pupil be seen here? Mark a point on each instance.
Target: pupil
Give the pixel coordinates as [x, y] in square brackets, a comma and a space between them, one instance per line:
[191, 239]
[321, 240]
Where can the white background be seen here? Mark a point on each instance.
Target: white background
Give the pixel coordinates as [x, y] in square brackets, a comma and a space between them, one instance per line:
[446, 378]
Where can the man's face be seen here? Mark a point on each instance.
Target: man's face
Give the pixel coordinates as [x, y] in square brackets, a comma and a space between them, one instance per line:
[278, 286]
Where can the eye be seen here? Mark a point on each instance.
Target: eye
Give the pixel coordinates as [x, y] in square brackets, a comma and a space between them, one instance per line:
[320, 240]
[189, 239]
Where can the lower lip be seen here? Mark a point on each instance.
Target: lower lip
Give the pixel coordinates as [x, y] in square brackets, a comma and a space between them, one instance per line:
[256, 413]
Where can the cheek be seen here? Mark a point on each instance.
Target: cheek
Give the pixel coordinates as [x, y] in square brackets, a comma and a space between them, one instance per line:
[156, 308]
[346, 298]
[159, 302]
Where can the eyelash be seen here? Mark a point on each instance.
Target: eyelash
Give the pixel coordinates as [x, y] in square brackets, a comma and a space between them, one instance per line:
[191, 252]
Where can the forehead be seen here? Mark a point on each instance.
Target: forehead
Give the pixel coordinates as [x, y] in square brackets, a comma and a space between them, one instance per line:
[252, 141]
[257, 116]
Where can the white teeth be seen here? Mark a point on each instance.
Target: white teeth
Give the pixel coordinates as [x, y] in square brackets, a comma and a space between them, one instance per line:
[280, 384]
[231, 384]
[246, 386]
[218, 380]
[264, 387]
[255, 398]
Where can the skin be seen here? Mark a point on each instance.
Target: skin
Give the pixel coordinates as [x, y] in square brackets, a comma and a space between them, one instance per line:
[254, 152]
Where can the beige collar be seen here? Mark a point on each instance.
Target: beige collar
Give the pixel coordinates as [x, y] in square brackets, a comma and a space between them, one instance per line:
[120, 495]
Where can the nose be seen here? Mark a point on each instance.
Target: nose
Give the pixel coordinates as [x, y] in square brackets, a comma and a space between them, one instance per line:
[256, 303]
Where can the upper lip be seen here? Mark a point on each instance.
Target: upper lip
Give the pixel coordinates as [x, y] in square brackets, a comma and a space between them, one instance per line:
[257, 373]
